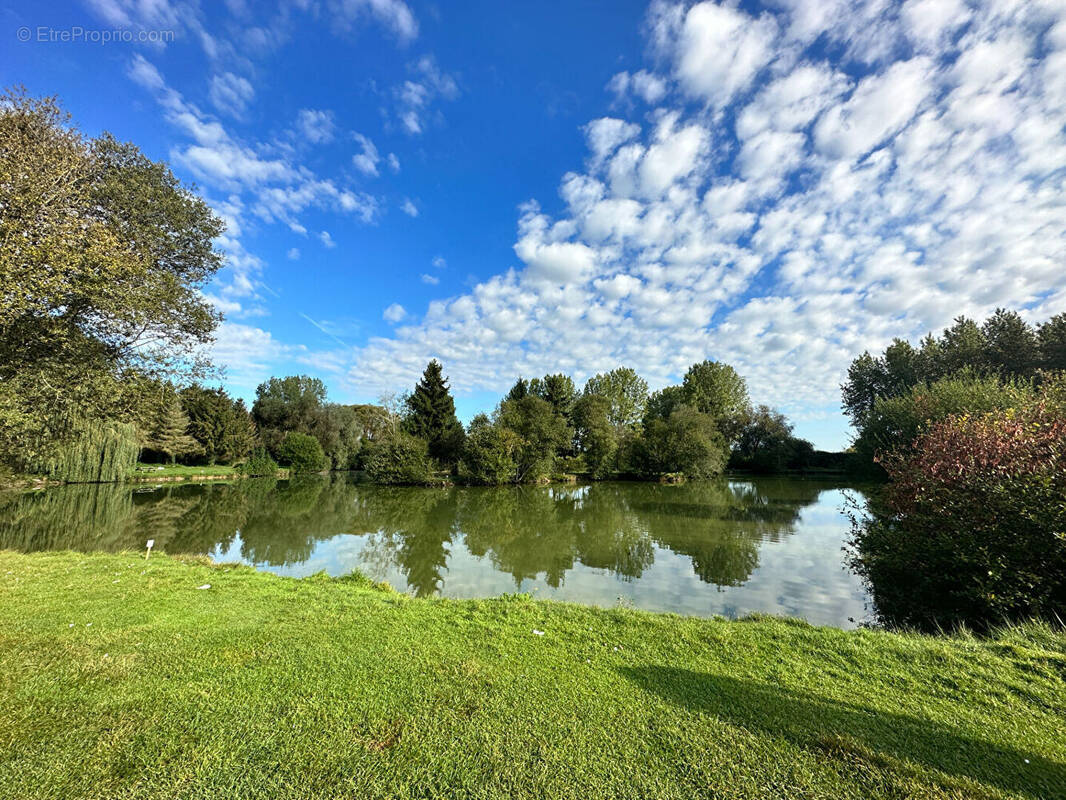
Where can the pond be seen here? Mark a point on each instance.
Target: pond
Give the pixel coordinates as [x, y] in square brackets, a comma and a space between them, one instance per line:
[728, 547]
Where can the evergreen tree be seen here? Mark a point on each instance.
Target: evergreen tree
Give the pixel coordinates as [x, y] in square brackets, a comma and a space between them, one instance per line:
[431, 415]
[171, 435]
[519, 390]
[1011, 345]
[1052, 335]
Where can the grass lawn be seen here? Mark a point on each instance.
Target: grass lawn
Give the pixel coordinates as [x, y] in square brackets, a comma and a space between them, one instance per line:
[180, 471]
[122, 678]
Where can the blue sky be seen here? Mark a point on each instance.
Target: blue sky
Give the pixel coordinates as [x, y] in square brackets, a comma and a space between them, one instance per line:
[521, 188]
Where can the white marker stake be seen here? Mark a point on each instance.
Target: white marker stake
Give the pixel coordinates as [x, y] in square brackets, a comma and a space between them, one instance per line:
[148, 552]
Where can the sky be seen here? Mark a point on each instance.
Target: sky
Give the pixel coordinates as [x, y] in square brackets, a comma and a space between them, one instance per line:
[531, 187]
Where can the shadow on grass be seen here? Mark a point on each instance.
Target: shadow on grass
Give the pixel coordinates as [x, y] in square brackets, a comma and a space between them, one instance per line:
[851, 731]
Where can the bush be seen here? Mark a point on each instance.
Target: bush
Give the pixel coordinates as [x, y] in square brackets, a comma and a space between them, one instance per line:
[259, 464]
[399, 460]
[302, 453]
[973, 524]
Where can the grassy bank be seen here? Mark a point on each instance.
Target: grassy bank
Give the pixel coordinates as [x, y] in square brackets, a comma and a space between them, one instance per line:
[120, 677]
[148, 473]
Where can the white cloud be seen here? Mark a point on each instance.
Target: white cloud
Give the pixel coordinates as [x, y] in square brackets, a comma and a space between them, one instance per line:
[393, 14]
[604, 135]
[409, 208]
[439, 262]
[394, 313]
[720, 50]
[416, 95]
[648, 86]
[432, 280]
[327, 240]
[929, 187]
[315, 125]
[393, 162]
[230, 93]
[293, 254]
[367, 160]
[879, 107]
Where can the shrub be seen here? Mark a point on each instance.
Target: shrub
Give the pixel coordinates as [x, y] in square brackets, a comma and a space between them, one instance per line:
[259, 464]
[973, 524]
[302, 453]
[399, 460]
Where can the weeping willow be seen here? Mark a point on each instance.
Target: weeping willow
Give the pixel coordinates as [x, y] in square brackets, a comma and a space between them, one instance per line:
[93, 452]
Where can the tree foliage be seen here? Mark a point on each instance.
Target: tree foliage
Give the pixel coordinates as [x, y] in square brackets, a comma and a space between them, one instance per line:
[221, 426]
[103, 258]
[431, 415]
[625, 390]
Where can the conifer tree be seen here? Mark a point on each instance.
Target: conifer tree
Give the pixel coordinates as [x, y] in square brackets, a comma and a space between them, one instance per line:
[171, 435]
[431, 415]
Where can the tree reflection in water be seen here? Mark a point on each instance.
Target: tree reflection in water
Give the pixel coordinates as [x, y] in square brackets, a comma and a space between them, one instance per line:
[524, 532]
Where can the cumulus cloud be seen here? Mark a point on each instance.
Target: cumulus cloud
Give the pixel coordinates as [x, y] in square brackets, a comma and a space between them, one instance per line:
[801, 211]
[394, 313]
[409, 208]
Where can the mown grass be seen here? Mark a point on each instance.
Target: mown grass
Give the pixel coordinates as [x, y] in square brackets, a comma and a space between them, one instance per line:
[120, 678]
[181, 470]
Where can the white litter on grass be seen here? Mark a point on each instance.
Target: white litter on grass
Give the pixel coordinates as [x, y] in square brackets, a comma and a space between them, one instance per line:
[205, 586]
[537, 633]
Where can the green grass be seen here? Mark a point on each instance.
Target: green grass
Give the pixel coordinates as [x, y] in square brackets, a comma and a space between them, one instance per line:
[120, 678]
[181, 471]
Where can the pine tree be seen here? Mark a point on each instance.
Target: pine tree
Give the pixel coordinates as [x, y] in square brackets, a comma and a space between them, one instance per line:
[171, 435]
[431, 415]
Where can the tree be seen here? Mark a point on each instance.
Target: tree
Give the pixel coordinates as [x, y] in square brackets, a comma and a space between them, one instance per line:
[625, 390]
[766, 443]
[596, 437]
[519, 390]
[221, 425]
[489, 455]
[866, 382]
[171, 434]
[962, 345]
[663, 403]
[559, 391]
[541, 433]
[715, 389]
[1011, 345]
[431, 415]
[287, 404]
[103, 258]
[302, 453]
[687, 442]
[1052, 337]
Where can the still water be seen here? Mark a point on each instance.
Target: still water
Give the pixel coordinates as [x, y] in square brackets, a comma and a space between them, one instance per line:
[729, 547]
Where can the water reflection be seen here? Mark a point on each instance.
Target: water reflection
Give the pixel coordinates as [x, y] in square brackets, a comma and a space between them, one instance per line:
[654, 545]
